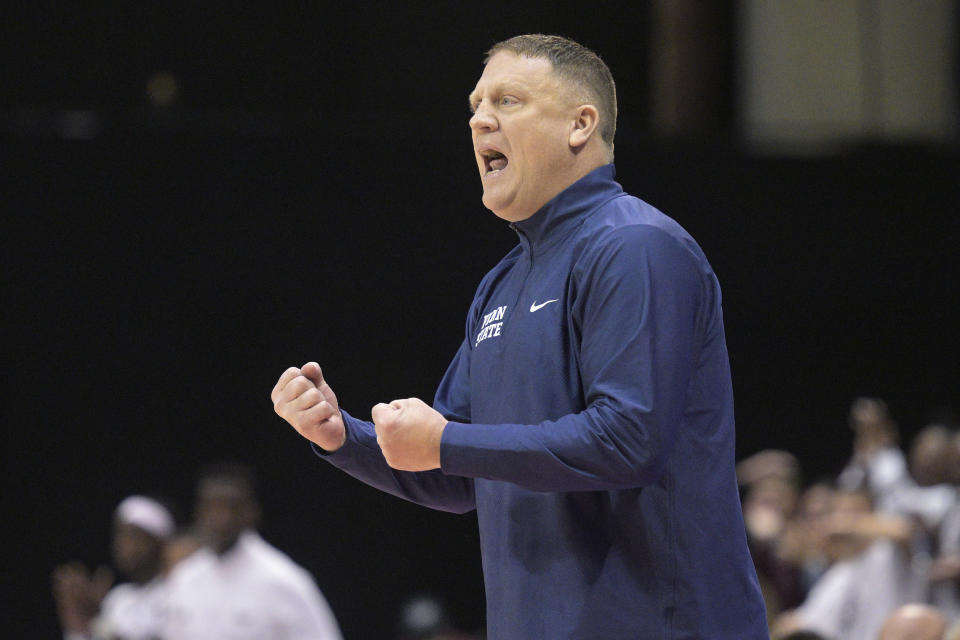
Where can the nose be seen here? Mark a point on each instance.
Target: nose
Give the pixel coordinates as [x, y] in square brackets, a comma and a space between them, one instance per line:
[483, 119]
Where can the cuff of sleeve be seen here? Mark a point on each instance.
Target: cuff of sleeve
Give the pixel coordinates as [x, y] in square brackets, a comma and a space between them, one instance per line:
[357, 436]
[454, 446]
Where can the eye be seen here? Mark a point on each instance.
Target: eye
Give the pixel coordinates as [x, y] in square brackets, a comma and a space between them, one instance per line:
[506, 101]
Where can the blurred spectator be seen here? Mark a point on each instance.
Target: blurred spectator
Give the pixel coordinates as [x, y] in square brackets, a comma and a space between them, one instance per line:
[768, 463]
[805, 540]
[424, 617]
[920, 491]
[927, 493]
[877, 461]
[914, 622]
[89, 608]
[237, 585]
[879, 465]
[867, 575]
[944, 573]
[886, 535]
[770, 480]
[179, 546]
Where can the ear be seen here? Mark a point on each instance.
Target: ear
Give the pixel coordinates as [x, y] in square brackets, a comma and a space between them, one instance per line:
[587, 119]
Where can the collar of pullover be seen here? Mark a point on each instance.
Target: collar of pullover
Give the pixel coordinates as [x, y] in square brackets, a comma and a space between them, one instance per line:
[568, 209]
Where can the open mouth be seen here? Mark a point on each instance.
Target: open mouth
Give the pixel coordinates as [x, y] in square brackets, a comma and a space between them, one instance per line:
[493, 161]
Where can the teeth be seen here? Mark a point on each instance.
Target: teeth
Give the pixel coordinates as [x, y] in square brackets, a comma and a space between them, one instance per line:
[494, 160]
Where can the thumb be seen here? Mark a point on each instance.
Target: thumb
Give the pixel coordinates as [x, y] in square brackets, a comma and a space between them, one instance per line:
[382, 412]
[312, 372]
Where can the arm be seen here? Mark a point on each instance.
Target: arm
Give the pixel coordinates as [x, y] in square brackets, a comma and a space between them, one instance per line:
[304, 399]
[646, 305]
[78, 595]
[871, 527]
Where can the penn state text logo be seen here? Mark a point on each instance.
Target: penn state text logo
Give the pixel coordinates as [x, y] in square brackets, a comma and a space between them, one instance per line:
[492, 324]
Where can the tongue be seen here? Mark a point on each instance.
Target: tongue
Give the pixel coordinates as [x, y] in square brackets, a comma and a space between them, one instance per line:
[498, 163]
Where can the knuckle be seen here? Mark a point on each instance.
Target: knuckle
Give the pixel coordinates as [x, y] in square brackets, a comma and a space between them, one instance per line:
[316, 415]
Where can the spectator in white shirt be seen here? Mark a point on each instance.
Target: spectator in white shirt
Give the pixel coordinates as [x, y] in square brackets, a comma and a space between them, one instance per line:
[86, 605]
[867, 579]
[238, 586]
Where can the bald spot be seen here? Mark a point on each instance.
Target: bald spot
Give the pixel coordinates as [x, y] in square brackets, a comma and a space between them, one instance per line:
[914, 622]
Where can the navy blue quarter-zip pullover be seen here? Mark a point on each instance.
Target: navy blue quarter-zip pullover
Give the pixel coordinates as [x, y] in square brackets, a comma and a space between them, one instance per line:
[591, 426]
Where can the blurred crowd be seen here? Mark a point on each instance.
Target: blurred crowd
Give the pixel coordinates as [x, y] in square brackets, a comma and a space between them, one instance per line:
[871, 554]
[215, 578]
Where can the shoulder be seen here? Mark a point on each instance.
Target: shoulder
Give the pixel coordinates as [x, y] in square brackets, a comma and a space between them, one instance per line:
[120, 593]
[275, 565]
[189, 568]
[629, 223]
[628, 238]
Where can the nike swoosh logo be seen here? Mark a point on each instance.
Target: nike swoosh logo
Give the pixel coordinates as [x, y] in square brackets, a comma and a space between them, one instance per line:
[537, 307]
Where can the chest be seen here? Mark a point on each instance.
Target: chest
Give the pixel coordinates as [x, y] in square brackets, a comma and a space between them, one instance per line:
[525, 342]
[237, 605]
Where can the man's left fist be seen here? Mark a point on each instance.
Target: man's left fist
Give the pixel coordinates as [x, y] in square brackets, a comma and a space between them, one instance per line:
[409, 432]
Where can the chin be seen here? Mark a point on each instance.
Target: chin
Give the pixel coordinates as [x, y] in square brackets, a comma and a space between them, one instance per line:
[501, 212]
[495, 207]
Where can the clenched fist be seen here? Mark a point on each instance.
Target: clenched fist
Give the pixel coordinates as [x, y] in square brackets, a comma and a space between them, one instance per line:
[409, 432]
[304, 399]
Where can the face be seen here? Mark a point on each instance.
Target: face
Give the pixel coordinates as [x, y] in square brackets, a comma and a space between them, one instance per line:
[134, 550]
[223, 511]
[929, 457]
[521, 126]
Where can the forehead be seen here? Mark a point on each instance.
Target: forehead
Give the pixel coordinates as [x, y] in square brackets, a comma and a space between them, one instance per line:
[218, 490]
[131, 532]
[506, 68]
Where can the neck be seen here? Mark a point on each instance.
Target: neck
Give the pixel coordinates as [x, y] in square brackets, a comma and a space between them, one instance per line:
[145, 574]
[221, 547]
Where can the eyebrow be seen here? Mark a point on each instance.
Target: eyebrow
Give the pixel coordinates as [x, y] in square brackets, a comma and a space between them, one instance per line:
[507, 86]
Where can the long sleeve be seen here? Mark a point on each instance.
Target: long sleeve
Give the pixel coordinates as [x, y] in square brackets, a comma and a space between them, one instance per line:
[641, 307]
[360, 456]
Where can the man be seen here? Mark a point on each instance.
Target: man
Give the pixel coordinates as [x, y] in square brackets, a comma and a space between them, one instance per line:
[129, 611]
[869, 575]
[238, 586]
[588, 414]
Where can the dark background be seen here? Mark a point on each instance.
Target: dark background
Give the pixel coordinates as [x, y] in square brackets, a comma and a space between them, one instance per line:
[311, 194]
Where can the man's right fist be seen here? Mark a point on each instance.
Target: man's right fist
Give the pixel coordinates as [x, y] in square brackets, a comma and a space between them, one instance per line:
[304, 399]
